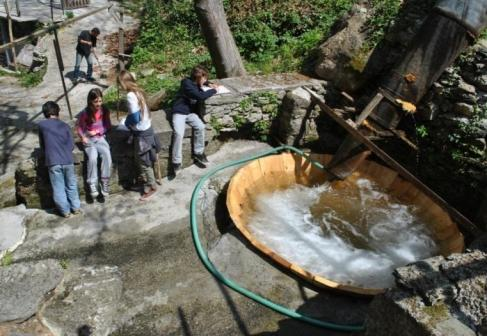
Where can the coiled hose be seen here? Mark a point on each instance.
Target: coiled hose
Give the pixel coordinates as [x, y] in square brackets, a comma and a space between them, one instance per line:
[231, 284]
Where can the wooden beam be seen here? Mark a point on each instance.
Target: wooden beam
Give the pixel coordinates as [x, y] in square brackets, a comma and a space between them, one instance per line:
[369, 108]
[461, 219]
[49, 29]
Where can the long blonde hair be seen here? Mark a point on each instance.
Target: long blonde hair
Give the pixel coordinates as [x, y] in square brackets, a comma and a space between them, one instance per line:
[127, 82]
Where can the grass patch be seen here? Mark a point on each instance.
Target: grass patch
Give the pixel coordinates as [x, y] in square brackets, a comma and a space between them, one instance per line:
[27, 78]
[7, 259]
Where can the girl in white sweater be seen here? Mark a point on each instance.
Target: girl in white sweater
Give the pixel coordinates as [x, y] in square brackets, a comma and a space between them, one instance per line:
[146, 143]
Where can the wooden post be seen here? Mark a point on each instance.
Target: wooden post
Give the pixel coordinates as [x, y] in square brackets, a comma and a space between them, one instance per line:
[61, 69]
[121, 62]
[18, 7]
[121, 42]
[10, 34]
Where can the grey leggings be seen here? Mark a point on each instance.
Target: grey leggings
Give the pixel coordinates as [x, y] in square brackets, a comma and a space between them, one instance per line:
[97, 146]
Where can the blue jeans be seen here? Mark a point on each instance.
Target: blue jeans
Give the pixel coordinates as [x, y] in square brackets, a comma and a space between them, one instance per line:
[89, 61]
[64, 187]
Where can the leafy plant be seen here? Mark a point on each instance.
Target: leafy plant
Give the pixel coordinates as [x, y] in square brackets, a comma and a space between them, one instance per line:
[7, 259]
[30, 78]
[69, 14]
[239, 120]
[64, 263]
[215, 124]
[384, 13]
[422, 131]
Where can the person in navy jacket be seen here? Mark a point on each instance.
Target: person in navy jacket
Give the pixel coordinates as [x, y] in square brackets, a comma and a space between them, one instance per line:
[184, 112]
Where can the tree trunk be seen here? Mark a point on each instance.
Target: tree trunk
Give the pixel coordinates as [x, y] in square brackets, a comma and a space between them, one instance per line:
[219, 38]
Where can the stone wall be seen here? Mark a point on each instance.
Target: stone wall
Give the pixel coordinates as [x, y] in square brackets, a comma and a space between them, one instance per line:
[437, 296]
[257, 104]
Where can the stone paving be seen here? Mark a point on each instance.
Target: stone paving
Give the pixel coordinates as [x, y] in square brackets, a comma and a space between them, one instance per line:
[20, 107]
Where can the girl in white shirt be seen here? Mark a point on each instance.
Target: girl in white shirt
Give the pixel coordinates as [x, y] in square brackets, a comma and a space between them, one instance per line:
[146, 144]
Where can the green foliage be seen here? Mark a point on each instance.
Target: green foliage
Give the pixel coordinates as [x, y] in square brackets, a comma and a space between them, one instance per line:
[31, 79]
[69, 15]
[110, 98]
[461, 140]
[215, 124]
[261, 130]
[7, 259]
[384, 13]
[28, 78]
[422, 131]
[268, 103]
[246, 104]
[278, 36]
[271, 36]
[170, 40]
[154, 83]
[64, 263]
[239, 120]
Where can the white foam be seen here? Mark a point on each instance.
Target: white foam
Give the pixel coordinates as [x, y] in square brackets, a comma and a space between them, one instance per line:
[283, 221]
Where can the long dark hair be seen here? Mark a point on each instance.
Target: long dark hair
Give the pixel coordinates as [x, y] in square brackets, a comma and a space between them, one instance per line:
[92, 95]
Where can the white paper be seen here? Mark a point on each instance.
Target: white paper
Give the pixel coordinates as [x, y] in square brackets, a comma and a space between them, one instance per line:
[219, 90]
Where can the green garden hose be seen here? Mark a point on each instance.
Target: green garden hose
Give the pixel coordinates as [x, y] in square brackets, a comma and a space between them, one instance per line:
[220, 277]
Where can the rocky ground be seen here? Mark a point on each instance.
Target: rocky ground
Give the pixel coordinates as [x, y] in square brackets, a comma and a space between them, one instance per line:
[130, 268]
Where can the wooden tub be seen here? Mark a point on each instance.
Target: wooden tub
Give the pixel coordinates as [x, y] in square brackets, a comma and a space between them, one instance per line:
[282, 171]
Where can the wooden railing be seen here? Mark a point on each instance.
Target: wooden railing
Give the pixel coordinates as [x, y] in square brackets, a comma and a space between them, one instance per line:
[73, 4]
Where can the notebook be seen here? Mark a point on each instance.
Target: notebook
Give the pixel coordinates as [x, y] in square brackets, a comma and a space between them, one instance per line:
[221, 89]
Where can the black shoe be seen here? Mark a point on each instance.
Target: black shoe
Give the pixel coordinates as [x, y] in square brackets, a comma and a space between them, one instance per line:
[176, 167]
[201, 158]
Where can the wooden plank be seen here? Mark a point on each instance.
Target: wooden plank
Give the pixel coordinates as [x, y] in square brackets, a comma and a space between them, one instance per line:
[369, 108]
[464, 222]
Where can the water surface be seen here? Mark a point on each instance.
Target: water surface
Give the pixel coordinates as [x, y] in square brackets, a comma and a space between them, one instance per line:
[351, 233]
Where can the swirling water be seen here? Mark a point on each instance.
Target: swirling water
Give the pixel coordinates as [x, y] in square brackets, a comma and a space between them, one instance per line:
[351, 233]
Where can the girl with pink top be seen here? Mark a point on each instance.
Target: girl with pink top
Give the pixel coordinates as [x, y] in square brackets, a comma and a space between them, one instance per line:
[93, 124]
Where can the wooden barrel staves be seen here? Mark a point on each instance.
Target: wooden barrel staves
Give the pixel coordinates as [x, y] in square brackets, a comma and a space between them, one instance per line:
[282, 171]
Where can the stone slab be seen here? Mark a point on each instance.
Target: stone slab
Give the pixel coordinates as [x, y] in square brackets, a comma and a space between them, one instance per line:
[23, 287]
[12, 228]
[282, 81]
[435, 297]
[88, 299]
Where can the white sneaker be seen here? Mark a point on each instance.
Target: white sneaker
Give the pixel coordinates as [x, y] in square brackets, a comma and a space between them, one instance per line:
[93, 190]
[105, 188]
